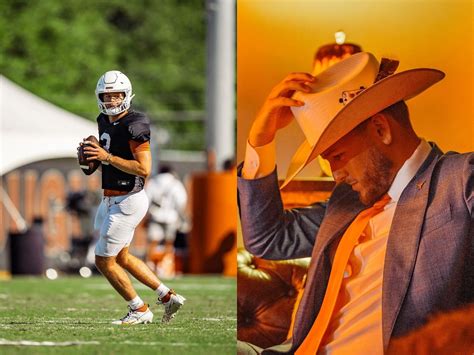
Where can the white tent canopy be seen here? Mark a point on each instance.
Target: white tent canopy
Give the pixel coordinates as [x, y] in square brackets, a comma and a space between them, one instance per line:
[32, 129]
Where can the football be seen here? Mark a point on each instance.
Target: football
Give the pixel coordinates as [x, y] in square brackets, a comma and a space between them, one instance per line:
[87, 166]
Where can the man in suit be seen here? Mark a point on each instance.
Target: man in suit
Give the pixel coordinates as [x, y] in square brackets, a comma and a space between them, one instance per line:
[394, 243]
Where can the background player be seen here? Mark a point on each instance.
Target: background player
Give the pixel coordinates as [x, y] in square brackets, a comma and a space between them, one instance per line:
[124, 152]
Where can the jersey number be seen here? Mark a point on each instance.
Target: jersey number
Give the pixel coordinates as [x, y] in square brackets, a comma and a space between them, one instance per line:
[105, 140]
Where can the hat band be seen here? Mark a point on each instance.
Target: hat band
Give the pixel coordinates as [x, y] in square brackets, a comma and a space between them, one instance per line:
[387, 67]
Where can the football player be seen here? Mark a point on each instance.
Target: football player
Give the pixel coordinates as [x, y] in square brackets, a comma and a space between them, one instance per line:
[124, 152]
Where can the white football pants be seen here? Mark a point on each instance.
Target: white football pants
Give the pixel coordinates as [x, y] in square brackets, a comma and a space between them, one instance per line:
[116, 220]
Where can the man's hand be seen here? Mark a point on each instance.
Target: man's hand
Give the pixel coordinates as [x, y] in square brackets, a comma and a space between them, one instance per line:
[275, 113]
[95, 151]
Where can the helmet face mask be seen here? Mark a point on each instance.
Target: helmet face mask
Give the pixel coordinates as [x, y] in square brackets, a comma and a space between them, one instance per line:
[114, 81]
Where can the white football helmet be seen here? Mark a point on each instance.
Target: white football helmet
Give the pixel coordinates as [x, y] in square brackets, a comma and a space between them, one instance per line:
[114, 81]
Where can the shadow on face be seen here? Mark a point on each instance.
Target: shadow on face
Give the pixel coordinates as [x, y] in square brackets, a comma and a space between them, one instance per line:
[357, 161]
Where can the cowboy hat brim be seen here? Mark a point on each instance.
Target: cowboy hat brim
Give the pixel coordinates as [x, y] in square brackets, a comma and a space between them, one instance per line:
[382, 94]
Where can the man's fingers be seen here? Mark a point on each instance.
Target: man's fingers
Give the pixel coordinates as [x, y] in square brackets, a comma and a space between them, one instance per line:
[293, 82]
[90, 151]
[301, 76]
[92, 144]
[286, 101]
[289, 87]
[275, 114]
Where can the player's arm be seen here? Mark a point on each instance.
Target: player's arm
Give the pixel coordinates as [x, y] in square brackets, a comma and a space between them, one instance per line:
[140, 165]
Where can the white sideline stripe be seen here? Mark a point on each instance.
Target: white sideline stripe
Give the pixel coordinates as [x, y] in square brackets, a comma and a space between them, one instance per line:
[70, 343]
[46, 343]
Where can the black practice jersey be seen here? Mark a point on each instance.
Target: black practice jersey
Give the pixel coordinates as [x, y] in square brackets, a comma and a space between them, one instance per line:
[115, 137]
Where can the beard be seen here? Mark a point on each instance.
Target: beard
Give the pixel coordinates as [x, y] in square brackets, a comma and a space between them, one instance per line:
[377, 177]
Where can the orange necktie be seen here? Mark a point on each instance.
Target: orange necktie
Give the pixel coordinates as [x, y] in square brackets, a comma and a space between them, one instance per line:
[312, 341]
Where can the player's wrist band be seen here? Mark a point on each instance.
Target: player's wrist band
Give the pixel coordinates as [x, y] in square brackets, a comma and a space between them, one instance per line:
[109, 158]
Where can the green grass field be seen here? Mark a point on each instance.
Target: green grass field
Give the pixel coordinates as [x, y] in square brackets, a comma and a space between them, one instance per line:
[73, 309]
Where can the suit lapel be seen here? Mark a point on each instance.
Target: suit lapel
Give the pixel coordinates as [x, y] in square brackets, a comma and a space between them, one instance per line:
[341, 212]
[403, 242]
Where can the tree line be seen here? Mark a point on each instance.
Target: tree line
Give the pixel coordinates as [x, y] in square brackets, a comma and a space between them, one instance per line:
[58, 49]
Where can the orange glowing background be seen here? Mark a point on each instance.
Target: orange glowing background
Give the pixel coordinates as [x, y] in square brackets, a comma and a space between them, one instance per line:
[275, 37]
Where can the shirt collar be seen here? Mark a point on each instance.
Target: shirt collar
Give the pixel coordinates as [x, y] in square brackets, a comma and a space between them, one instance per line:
[408, 170]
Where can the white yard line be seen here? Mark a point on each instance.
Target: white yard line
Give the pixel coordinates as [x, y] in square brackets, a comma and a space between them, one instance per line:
[46, 343]
[154, 343]
[126, 342]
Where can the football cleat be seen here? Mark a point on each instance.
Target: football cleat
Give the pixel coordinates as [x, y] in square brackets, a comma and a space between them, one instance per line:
[172, 306]
[135, 317]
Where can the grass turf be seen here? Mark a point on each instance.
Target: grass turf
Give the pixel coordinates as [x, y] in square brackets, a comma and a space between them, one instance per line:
[73, 309]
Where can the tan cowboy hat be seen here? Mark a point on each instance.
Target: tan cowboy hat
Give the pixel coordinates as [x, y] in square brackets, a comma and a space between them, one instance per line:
[345, 95]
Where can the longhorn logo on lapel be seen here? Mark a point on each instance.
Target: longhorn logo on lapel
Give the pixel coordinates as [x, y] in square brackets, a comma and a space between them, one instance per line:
[420, 184]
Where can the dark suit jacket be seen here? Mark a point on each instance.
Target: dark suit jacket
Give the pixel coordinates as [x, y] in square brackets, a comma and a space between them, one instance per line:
[429, 263]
